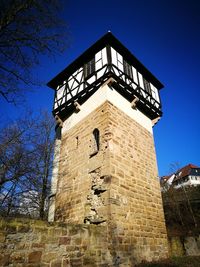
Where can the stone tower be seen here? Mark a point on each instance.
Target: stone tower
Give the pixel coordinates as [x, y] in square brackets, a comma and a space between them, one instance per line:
[105, 170]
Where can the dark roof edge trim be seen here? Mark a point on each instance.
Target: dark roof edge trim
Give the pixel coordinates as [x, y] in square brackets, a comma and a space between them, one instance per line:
[109, 39]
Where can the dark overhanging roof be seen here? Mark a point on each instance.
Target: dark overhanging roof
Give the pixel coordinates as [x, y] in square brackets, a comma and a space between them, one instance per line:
[107, 39]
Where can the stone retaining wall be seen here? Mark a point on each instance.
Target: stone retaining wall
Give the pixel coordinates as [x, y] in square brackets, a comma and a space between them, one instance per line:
[31, 243]
[34, 243]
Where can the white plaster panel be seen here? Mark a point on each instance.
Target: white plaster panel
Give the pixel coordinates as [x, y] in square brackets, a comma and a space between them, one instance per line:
[103, 94]
[75, 84]
[104, 56]
[81, 87]
[79, 76]
[114, 56]
[98, 56]
[98, 65]
[119, 57]
[135, 75]
[91, 80]
[155, 90]
[141, 80]
[101, 73]
[60, 92]
[121, 66]
[70, 82]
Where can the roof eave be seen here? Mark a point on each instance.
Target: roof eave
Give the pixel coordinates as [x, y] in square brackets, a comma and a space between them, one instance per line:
[109, 39]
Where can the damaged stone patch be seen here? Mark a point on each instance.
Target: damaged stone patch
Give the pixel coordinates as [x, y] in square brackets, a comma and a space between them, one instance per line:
[96, 207]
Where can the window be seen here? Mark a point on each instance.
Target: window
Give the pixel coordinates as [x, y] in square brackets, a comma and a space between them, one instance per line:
[147, 86]
[89, 68]
[154, 92]
[128, 70]
[96, 139]
[58, 132]
[95, 142]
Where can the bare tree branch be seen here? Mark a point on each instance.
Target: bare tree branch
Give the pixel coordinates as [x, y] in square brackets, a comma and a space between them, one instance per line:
[28, 29]
[26, 154]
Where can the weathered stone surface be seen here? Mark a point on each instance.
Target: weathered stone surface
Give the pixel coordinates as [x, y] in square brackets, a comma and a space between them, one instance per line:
[2, 237]
[56, 263]
[116, 186]
[49, 256]
[89, 246]
[4, 259]
[34, 257]
[38, 245]
[21, 249]
[115, 191]
[64, 240]
[17, 257]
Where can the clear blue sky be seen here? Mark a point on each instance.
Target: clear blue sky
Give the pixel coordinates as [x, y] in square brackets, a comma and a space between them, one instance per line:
[165, 36]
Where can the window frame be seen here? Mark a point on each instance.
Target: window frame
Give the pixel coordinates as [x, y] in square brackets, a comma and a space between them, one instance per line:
[89, 68]
[128, 69]
[95, 142]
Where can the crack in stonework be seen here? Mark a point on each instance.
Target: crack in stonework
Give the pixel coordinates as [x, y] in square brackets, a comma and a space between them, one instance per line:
[94, 199]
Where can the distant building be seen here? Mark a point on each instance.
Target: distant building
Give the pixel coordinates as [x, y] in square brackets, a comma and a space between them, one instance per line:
[166, 181]
[189, 175]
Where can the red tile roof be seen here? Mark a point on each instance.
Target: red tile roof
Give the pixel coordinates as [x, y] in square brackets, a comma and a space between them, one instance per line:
[185, 171]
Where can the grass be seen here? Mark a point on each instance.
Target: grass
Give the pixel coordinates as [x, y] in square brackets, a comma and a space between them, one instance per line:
[186, 261]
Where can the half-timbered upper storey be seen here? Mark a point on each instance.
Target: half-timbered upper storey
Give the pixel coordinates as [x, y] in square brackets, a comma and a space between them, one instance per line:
[105, 59]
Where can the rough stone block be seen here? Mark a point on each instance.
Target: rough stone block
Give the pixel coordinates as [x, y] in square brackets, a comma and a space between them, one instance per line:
[4, 259]
[17, 257]
[76, 262]
[2, 237]
[34, 257]
[49, 256]
[64, 240]
[38, 245]
[77, 241]
[11, 229]
[56, 263]
[23, 228]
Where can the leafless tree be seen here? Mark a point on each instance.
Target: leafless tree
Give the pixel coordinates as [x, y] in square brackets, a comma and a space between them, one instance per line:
[28, 29]
[179, 205]
[43, 143]
[26, 154]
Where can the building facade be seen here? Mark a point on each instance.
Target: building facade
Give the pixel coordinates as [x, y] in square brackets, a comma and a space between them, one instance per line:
[188, 175]
[105, 170]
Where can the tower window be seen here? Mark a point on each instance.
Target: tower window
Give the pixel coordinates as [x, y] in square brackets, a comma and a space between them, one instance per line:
[128, 69]
[96, 138]
[89, 68]
[95, 142]
[58, 132]
[147, 86]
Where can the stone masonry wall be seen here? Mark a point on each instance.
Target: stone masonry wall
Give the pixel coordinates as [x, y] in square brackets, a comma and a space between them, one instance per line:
[137, 223]
[83, 182]
[34, 243]
[116, 186]
[30, 243]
